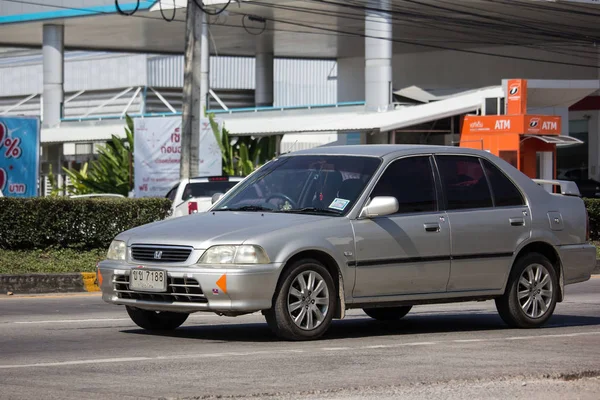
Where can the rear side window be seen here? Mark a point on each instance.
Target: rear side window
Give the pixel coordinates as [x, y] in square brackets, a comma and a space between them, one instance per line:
[410, 181]
[505, 192]
[172, 193]
[464, 182]
[206, 189]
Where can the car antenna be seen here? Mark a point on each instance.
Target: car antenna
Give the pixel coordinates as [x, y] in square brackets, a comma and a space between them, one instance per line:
[293, 146]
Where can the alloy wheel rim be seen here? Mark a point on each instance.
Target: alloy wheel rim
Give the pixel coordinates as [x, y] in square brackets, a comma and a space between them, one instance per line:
[535, 291]
[308, 300]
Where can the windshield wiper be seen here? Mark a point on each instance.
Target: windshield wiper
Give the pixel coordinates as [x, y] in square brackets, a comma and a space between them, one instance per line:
[245, 208]
[313, 210]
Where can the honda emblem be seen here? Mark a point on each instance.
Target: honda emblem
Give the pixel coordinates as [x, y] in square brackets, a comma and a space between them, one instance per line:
[157, 255]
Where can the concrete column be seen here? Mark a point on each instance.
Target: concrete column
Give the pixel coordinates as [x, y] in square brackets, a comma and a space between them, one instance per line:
[264, 72]
[378, 61]
[54, 77]
[351, 79]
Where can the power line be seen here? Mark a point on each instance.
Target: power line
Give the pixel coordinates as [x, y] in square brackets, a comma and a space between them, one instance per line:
[438, 47]
[488, 23]
[267, 29]
[492, 41]
[163, 13]
[337, 32]
[479, 33]
[413, 43]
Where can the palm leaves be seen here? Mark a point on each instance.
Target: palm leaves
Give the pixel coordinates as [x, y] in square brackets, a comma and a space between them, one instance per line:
[244, 154]
[111, 172]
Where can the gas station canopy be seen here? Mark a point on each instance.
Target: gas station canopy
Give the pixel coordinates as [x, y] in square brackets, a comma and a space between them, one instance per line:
[296, 28]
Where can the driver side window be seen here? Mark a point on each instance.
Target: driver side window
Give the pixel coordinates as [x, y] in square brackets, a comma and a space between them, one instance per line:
[410, 181]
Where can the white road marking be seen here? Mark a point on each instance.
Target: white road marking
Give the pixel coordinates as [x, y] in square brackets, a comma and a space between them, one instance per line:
[68, 321]
[78, 362]
[278, 352]
[74, 321]
[553, 336]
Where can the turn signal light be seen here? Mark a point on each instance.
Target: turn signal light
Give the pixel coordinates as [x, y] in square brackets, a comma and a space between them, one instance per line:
[192, 207]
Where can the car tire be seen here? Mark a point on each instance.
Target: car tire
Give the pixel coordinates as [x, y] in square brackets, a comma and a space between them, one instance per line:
[387, 313]
[303, 313]
[156, 320]
[529, 299]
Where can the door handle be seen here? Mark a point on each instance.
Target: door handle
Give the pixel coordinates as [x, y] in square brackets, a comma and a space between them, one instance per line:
[517, 222]
[432, 227]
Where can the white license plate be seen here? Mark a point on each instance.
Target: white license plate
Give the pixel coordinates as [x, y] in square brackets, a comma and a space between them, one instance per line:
[148, 280]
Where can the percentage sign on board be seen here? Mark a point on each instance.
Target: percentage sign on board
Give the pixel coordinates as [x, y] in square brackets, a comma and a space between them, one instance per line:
[12, 147]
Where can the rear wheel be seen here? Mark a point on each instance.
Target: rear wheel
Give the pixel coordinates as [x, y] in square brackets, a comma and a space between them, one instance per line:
[531, 293]
[156, 320]
[304, 304]
[387, 313]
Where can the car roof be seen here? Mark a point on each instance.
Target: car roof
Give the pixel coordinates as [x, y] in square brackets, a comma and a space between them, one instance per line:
[205, 179]
[382, 150]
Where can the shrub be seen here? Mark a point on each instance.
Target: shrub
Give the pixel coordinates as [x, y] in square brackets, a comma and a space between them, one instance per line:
[83, 224]
[49, 261]
[593, 208]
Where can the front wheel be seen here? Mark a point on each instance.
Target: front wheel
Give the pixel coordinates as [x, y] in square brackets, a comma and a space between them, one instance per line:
[156, 320]
[304, 303]
[531, 293]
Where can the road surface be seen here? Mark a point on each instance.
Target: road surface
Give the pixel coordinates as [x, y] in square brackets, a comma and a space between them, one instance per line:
[76, 347]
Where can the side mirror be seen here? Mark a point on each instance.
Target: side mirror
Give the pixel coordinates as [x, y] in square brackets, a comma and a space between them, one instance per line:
[216, 197]
[380, 206]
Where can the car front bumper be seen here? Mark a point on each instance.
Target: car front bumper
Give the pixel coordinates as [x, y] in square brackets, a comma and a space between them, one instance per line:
[243, 289]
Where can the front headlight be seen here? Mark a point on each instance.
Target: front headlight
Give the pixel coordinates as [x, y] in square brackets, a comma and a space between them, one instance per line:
[244, 254]
[117, 250]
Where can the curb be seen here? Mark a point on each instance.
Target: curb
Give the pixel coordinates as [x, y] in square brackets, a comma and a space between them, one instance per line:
[49, 283]
[72, 283]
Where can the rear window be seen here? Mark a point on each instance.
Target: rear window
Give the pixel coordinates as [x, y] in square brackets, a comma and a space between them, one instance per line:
[505, 192]
[206, 189]
[464, 182]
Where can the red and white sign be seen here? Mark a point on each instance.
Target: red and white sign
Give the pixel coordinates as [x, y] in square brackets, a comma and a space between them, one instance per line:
[157, 154]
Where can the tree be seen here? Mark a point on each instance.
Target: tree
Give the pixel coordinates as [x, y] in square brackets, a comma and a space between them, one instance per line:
[112, 172]
[242, 155]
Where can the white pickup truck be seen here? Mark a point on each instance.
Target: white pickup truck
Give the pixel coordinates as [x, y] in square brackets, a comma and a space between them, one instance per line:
[194, 195]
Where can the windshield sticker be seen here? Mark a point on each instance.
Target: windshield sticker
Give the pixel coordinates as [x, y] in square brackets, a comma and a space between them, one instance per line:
[339, 204]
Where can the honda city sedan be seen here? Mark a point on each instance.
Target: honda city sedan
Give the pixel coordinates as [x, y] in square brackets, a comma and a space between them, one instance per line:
[383, 228]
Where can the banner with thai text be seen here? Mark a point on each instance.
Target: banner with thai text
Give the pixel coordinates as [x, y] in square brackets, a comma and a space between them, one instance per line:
[157, 154]
[19, 156]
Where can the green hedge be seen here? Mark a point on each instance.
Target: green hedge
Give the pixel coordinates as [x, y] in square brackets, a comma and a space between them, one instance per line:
[593, 207]
[50, 222]
[49, 261]
[82, 224]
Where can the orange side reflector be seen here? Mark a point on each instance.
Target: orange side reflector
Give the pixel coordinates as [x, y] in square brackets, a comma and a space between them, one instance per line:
[99, 277]
[222, 283]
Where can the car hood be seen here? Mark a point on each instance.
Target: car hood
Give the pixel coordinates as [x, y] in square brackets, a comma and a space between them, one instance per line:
[206, 229]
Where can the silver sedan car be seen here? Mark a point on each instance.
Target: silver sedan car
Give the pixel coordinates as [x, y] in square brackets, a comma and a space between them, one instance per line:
[378, 227]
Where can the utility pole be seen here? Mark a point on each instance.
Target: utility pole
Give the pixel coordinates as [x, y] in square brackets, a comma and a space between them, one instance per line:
[190, 132]
[200, 90]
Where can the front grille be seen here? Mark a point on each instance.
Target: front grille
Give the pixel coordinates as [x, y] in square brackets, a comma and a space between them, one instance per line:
[160, 254]
[185, 290]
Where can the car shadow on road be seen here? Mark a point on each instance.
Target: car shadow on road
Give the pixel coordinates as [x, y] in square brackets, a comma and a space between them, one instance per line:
[359, 326]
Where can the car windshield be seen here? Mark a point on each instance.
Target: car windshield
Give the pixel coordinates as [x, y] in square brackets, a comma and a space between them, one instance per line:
[304, 184]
